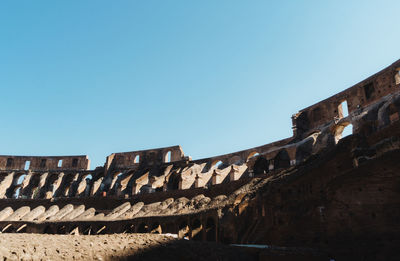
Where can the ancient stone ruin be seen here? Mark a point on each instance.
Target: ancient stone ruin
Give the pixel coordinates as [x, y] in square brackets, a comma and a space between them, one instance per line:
[315, 189]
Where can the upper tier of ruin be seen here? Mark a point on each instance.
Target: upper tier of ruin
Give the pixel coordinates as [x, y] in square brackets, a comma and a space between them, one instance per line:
[127, 173]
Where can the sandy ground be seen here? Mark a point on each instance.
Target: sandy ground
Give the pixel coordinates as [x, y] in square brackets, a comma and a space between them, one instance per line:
[112, 247]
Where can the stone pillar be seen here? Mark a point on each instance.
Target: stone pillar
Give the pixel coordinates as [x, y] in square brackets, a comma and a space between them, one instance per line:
[216, 177]
[233, 174]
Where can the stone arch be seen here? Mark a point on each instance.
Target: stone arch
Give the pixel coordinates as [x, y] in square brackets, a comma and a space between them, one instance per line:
[168, 156]
[173, 181]
[237, 160]
[32, 191]
[282, 160]
[252, 154]
[217, 164]
[261, 166]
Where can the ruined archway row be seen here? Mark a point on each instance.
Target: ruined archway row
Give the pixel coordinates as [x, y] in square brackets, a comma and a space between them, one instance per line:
[141, 179]
[200, 226]
[349, 102]
[315, 128]
[44, 163]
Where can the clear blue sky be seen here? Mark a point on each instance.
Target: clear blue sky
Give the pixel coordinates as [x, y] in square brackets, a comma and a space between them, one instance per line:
[96, 77]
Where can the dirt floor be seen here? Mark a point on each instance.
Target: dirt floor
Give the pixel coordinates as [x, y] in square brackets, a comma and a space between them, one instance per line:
[112, 247]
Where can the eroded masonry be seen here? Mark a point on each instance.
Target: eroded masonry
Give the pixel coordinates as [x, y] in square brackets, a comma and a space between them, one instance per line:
[290, 192]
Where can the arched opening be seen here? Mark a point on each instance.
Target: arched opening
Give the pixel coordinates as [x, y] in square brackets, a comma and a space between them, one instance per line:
[261, 166]
[217, 164]
[143, 228]
[343, 131]
[196, 230]
[183, 230]
[136, 159]
[282, 160]
[173, 181]
[167, 156]
[253, 154]
[211, 230]
[59, 164]
[17, 192]
[156, 229]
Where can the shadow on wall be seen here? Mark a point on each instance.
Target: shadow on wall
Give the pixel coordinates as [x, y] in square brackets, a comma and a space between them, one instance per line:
[192, 250]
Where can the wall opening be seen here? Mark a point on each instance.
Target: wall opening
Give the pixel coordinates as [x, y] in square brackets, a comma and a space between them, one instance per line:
[59, 164]
[261, 166]
[9, 162]
[343, 109]
[43, 163]
[217, 164]
[343, 131]
[282, 160]
[27, 164]
[253, 154]
[348, 130]
[74, 163]
[167, 157]
[136, 159]
[397, 76]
